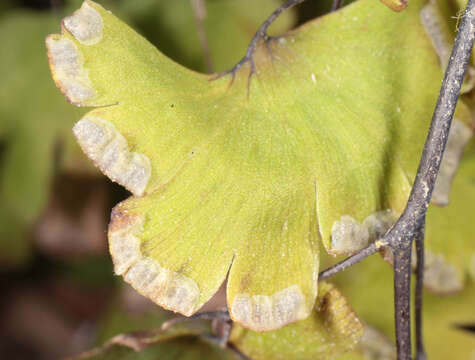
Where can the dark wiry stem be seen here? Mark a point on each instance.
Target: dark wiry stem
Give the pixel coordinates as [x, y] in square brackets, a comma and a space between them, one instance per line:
[222, 315]
[400, 237]
[351, 260]
[412, 219]
[402, 300]
[420, 351]
[261, 34]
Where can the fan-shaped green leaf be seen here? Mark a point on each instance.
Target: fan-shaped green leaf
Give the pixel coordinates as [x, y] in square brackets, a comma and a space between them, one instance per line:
[242, 174]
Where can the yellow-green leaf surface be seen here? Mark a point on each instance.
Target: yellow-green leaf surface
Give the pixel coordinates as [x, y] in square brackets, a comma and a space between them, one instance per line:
[240, 174]
[34, 123]
[331, 330]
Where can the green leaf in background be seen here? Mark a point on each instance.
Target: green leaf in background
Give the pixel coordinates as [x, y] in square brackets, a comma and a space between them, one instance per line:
[446, 262]
[450, 256]
[243, 174]
[331, 330]
[34, 124]
[173, 347]
[439, 18]
[130, 312]
[449, 259]
[461, 131]
[369, 289]
[131, 330]
[450, 234]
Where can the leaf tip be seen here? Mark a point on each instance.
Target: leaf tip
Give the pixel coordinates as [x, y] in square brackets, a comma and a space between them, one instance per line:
[66, 64]
[85, 24]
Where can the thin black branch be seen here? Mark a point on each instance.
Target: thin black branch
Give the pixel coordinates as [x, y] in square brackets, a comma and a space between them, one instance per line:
[400, 237]
[402, 300]
[420, 351]
[351, 260]
[222, 315]
[261, 34]
[412, 219]
[413, 216]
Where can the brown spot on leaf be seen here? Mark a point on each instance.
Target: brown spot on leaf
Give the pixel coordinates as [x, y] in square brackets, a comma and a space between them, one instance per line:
[396, 5]
[120, 219]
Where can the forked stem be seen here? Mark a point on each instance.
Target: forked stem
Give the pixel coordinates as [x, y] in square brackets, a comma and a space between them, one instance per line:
[351, 260]
[412, 220]
[402, 234]
[261, 34]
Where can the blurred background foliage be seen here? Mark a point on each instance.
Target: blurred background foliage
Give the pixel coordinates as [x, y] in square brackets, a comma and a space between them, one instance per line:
[58, 293]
